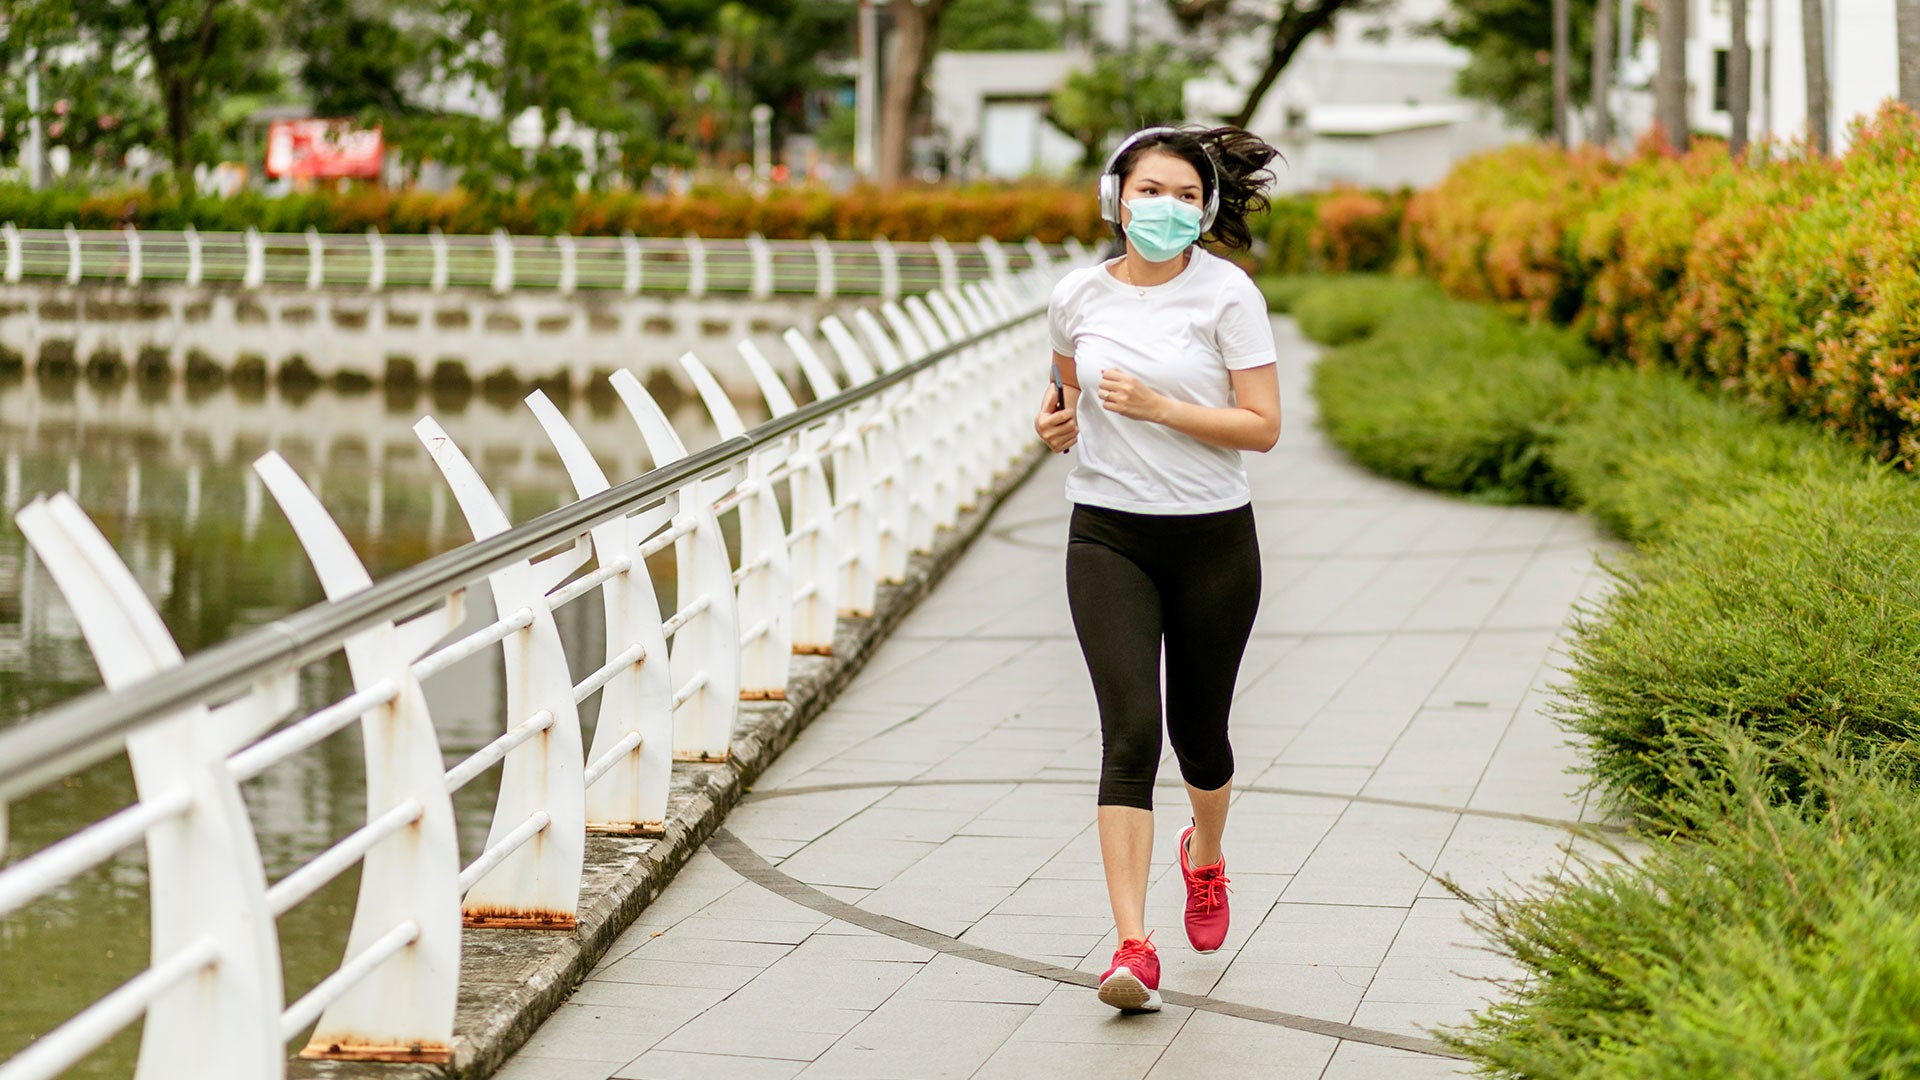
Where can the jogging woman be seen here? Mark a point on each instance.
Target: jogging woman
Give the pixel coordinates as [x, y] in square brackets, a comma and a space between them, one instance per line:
[1171, 349]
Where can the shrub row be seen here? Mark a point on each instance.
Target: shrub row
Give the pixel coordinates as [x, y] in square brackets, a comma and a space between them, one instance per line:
[1345, 230]
[1749, 686]
[1791, 281]
[1774, 583]
[1051, 213]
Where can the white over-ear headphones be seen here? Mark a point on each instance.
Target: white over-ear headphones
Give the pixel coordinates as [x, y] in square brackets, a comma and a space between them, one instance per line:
[1110, 180]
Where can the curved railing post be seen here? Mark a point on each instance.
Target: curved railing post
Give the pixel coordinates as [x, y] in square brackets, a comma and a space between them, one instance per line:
[376, 260]
[403, 1010]
[206, 884]
[933, 473]
[856, 497]
[633, 740]
[630, 252]
[538, 885]
[823, 283]
[966, 389]
[760, 256]
[73, 255]
[15, 261]
[765, 574]
[437, 241]
[696, 266]
[886, 463]
[316, 260]
[949, 266]
[134, 266]
[889, 268]
[917, 474]
[569, 263]
[502, 262]
[705, 655]
[813, 550]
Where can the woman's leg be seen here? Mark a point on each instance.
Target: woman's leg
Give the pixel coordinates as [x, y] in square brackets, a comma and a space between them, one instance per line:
[1209, 612]
[1116, 613]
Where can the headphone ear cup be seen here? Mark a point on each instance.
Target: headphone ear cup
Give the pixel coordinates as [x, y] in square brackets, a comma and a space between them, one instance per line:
[1109, 197]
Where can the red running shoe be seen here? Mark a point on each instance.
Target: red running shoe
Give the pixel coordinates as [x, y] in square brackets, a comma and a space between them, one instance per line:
[1132, 984]
[1206, 899]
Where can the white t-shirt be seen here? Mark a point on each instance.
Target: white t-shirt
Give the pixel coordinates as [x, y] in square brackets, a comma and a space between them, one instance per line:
[1180, 339]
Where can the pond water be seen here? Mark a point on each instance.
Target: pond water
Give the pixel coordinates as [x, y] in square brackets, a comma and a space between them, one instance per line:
[164, 470]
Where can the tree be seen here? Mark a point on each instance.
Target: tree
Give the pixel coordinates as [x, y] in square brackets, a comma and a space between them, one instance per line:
[1907, 27]
[1509, 45]
[916, 32]
[1285, 27]
[1601, 130]
[1670, 81]
[1562, 75]
[1122, 92]
[1813, 31]
[1739, 80]
[984, 25]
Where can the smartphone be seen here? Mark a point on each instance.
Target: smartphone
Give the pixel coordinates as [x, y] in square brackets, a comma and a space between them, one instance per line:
[1059, 391]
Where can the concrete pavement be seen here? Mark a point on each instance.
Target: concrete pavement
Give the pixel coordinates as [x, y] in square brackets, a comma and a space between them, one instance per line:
[914, 889]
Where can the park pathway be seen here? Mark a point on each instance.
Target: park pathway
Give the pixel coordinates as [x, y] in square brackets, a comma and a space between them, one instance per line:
[914, 890]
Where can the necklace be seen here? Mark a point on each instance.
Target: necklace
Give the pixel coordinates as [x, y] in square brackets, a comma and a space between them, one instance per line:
[1126, 274]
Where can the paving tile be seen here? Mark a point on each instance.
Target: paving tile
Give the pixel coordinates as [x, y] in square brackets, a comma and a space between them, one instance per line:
[1324, 991]
[1071, 1061]
[681, 1065]
[606, 1033]
[919, 1038]
[1360, 1061]
[525, 1066]
[950, 978]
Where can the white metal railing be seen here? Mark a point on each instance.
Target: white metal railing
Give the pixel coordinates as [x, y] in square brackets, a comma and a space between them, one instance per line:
[502, 263]
[926, 406]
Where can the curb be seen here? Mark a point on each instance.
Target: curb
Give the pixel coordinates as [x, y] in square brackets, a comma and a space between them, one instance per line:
[511, 981]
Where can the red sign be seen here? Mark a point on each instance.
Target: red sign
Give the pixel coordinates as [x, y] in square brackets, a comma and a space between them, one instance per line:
[323, 150]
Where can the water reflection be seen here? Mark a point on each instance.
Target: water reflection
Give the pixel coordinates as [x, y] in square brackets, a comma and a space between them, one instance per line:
[164, 471]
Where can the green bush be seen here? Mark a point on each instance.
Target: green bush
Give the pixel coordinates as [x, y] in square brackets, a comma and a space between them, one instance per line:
[1283, 290]
[1436, 392]
[1644, 448]
[1795, 609]
[1779, 940]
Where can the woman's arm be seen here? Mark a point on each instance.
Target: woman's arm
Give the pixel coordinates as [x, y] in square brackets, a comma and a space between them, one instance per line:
[1056, 425]
[1251, 423]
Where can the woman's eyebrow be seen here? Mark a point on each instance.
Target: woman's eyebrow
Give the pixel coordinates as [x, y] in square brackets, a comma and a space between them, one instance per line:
[1157, 182]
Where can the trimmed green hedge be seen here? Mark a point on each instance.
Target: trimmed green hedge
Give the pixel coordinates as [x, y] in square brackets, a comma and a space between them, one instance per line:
[1777, 582]
[1750, 689]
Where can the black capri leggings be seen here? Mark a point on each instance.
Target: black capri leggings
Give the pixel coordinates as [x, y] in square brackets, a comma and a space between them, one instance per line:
[1135, 581]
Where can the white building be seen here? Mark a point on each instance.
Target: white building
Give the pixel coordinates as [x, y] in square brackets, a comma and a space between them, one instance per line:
[1861, 65]
[1371, 104]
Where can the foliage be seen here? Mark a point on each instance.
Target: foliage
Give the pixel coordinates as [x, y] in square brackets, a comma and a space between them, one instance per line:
[1051, 213]
[1774, 584]
[1790, 282]
[1509, 46]
[1776, 940]
[1434, 392]
[1357, 231]
[1122, 92]
[983, 25]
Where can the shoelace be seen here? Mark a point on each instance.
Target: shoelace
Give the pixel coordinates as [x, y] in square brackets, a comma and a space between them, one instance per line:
[1134, 949]
[1209, 891]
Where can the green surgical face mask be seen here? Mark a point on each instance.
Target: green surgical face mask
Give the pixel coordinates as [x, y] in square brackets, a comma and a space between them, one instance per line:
[1162, 227]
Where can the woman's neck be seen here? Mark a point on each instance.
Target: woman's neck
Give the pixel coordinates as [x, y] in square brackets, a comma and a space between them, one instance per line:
[1136, 270]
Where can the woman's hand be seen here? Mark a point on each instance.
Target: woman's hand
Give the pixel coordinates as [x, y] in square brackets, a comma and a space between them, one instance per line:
[1055, 425]
[1124, 395]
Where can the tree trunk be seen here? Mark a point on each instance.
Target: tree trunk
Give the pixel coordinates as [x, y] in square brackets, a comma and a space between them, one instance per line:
[1739, 80]
[916, 30]
[1670, 83]
[1813, 31]
[1562, 73]
[1290, 31]
[1603, 44]
[1907, 16]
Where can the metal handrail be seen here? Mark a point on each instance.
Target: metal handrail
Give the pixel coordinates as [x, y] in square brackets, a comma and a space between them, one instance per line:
[92, 727]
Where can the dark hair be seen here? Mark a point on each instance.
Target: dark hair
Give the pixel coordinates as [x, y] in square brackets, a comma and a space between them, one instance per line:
[1241, 159]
